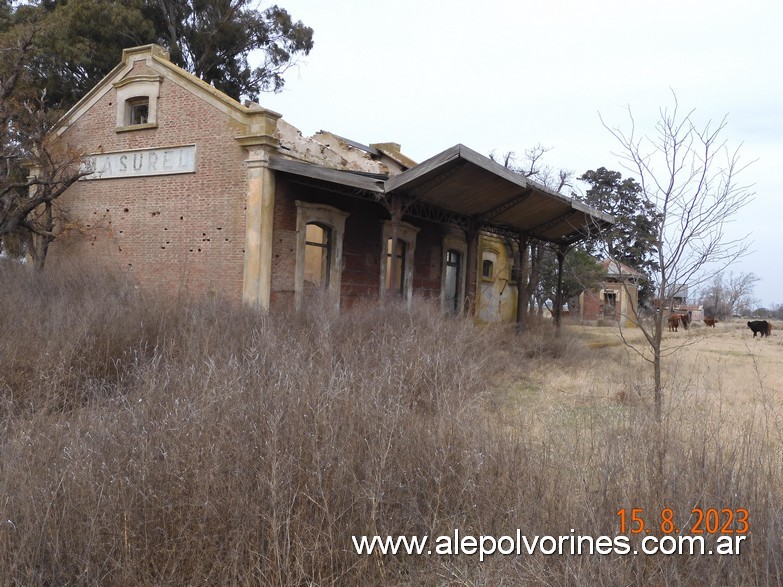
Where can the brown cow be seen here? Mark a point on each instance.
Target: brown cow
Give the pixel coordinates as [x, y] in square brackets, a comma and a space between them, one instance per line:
[676, 319]
[710, 322]
[674, 322]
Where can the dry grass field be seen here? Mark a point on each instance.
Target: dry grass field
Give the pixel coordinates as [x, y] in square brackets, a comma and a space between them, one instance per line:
[185, 442]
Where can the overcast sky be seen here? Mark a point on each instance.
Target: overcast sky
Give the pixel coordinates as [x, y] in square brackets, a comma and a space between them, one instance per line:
[501, 76]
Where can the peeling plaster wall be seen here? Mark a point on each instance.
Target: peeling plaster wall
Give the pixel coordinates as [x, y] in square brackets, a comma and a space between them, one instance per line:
[593, 306]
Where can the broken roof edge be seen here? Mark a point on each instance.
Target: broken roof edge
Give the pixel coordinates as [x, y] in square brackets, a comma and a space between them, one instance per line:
[394, 152]
[617, 268]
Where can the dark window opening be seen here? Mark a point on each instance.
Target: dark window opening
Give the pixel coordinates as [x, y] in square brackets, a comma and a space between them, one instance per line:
[610, 304]
[399, 264]
[138, 111]
[487, 269]
[452, 281]
[318, 255]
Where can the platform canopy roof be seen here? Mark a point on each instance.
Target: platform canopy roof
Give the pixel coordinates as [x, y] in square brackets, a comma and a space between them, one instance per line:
[459, 185]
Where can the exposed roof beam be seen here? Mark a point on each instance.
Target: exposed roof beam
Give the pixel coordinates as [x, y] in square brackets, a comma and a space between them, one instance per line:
[553, 222]
[506, 206]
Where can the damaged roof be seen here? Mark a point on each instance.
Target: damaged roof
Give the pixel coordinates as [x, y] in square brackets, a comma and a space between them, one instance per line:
[459, 185]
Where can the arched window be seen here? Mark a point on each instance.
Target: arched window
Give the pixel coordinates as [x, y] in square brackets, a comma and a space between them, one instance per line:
[319, 250]
[137, 102]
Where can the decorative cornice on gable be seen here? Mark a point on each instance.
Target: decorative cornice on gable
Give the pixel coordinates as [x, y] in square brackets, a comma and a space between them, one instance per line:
[261, 128]
[132, 79]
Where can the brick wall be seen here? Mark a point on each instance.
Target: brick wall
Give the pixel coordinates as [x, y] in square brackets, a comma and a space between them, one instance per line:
[592, 306]
[187, 231]
[171, 231]
[361, 245]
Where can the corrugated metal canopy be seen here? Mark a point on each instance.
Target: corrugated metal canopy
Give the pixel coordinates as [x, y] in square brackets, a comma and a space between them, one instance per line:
[466, 183]
[470, 186]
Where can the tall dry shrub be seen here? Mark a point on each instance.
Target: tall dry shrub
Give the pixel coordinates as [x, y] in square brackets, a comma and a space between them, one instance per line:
[149, 442]
[226, 446]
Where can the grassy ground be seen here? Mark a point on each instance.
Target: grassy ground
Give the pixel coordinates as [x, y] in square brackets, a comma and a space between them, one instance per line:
[151, 442]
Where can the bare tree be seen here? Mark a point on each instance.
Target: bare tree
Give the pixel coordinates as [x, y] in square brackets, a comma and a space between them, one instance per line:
[739, 290]
[689, 174]
[531, 165]
[38, 166]
[725, 295]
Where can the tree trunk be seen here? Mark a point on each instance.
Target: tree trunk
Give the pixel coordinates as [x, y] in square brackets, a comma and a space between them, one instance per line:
[657, 382]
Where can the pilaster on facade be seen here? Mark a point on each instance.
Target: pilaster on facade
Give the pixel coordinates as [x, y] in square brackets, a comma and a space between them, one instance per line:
[260, 142]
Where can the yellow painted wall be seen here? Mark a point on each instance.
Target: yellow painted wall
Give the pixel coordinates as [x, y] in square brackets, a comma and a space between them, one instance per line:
[496, 295]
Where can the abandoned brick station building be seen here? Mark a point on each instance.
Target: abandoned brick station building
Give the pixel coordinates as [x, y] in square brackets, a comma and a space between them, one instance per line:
[191, 189]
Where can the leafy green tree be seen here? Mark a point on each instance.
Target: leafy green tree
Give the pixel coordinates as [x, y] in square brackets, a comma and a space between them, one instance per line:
[54, 51]
[632, 240]
[82, 41]
[211, 39]
[581, 272]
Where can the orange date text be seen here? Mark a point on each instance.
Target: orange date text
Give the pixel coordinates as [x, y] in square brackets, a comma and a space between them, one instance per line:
[701, 521]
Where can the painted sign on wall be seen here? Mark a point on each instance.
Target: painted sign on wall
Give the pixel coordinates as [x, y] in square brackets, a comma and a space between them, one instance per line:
[141, 162]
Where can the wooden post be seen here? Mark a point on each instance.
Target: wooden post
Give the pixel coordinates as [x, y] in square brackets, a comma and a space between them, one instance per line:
[561, 251]
[471, 268]
[521, 286]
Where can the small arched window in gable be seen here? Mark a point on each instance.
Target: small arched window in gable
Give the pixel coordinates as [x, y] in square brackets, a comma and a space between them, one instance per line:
[137, 111]
[137, 102]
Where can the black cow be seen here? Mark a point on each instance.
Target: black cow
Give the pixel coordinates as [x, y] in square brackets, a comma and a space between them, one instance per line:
[761, 327]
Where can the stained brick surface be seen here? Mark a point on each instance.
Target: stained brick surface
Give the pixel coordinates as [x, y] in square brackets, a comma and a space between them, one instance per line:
[173, 231]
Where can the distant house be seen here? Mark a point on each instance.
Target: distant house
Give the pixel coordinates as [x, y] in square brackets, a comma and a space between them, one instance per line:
[678, 303]
[616, 301]
[678, 294]
[192, 191]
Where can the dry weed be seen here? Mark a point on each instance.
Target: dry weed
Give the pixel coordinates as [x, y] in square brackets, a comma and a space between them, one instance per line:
[191, 442]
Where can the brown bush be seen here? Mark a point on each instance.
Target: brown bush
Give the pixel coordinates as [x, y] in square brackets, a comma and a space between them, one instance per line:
[149, 442]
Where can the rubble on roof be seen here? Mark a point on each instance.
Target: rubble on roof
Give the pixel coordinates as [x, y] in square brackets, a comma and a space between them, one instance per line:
[329, 150]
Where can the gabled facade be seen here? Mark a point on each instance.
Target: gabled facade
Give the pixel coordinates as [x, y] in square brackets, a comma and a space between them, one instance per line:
[617, 300]
[193, 191]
